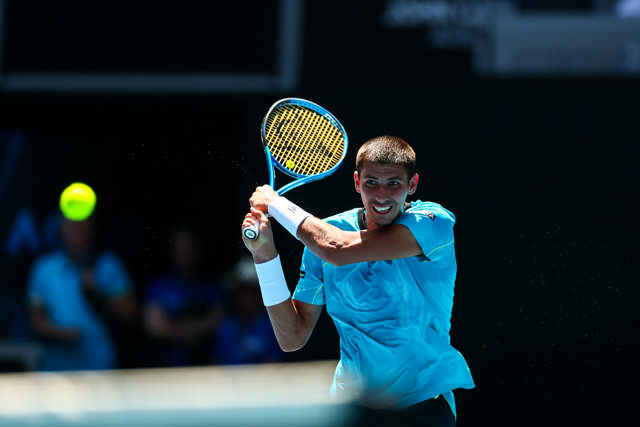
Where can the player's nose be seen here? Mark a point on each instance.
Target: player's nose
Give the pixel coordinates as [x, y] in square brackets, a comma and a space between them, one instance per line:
[382, 194]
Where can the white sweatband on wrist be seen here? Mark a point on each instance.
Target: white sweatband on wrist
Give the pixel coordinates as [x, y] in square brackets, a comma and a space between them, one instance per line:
[288, 214]
[273, 284]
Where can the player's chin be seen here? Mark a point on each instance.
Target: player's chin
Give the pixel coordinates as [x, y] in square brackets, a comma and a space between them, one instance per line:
[382, 220]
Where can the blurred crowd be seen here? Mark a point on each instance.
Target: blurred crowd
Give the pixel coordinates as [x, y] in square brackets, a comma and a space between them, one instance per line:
[82, 310]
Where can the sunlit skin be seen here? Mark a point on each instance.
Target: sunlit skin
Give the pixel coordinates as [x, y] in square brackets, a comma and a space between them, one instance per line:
[383, 189]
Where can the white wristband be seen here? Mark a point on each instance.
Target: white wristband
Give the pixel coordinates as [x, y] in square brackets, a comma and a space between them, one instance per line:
[273, 284]
[289, 215]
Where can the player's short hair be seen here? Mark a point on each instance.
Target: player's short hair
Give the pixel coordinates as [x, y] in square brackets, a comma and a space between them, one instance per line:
[387, 150]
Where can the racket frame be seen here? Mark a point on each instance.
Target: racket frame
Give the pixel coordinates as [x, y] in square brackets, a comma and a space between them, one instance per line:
[273, 163]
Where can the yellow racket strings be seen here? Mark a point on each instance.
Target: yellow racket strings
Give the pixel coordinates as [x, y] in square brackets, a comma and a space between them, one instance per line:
[302, 140]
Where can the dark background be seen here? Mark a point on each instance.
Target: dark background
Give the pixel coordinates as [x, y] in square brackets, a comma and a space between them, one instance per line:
[541, 172]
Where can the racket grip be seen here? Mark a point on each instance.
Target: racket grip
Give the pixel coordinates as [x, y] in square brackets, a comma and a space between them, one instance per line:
[251, 232]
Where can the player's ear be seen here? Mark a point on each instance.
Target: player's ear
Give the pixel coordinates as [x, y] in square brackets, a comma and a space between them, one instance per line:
[413, 183]
[356, 181]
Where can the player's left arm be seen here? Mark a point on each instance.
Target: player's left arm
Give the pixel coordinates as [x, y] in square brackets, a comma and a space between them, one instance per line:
[339, 247]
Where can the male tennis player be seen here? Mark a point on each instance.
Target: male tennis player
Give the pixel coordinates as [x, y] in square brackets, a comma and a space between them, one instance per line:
[386, 274]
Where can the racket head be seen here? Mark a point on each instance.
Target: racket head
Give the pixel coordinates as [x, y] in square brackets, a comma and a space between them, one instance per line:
[303, 140]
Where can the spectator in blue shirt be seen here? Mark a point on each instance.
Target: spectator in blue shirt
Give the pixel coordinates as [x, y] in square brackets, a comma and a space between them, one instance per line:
[75, 294]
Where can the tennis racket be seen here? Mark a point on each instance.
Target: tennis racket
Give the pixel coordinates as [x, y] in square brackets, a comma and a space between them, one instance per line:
[304, 141]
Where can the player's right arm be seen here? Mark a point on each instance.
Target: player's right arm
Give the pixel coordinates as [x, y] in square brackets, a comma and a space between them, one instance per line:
[292, 321]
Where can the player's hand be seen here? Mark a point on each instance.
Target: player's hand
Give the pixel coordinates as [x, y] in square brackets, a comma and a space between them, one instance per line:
[261, 198]
[263, 248]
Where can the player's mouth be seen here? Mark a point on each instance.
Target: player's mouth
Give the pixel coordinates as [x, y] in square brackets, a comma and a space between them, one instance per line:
[381, 210]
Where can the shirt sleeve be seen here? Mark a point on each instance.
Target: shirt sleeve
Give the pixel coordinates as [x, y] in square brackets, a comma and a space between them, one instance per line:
[433, 230]
[310, 288]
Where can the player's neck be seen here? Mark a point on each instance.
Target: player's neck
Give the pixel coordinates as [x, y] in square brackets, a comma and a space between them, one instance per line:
[368, 223]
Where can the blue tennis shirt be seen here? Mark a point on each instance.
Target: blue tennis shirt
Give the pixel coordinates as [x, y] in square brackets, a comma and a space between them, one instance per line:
[393, 317]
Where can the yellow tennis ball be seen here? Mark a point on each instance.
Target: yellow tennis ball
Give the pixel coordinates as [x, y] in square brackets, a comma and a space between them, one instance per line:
[77, 201]
[290, 164]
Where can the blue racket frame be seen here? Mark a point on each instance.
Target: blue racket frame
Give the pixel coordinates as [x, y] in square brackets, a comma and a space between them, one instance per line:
[252, 232]
[272, 163]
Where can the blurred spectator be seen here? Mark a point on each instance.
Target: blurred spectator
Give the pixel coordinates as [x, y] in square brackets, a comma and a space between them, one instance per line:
[75, 294]
[183, 309]
[246, 335]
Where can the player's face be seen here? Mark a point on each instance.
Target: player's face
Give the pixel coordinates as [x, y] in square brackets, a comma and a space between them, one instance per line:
[384, 189]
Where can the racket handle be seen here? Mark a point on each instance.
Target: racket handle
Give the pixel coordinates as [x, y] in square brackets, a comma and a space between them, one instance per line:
[251, 232]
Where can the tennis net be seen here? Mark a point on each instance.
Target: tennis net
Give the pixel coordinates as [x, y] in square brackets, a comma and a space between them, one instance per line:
[293, 394]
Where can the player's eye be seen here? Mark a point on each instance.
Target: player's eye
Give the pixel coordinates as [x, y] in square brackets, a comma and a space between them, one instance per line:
[371, 183]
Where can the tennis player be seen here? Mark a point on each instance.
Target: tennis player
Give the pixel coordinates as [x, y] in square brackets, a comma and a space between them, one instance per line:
[385, 273]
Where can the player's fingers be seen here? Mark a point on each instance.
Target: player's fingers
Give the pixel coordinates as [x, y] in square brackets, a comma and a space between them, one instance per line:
[258, 214]
[249, 220]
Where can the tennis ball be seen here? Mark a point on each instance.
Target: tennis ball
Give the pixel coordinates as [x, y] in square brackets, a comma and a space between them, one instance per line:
[77, 201]
[290, 164]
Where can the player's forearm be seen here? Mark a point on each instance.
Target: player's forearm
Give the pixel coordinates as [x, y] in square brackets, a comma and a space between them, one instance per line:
[328, 242]
[339, 247]
[331, 244]
[292, 330]
[289, 324]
